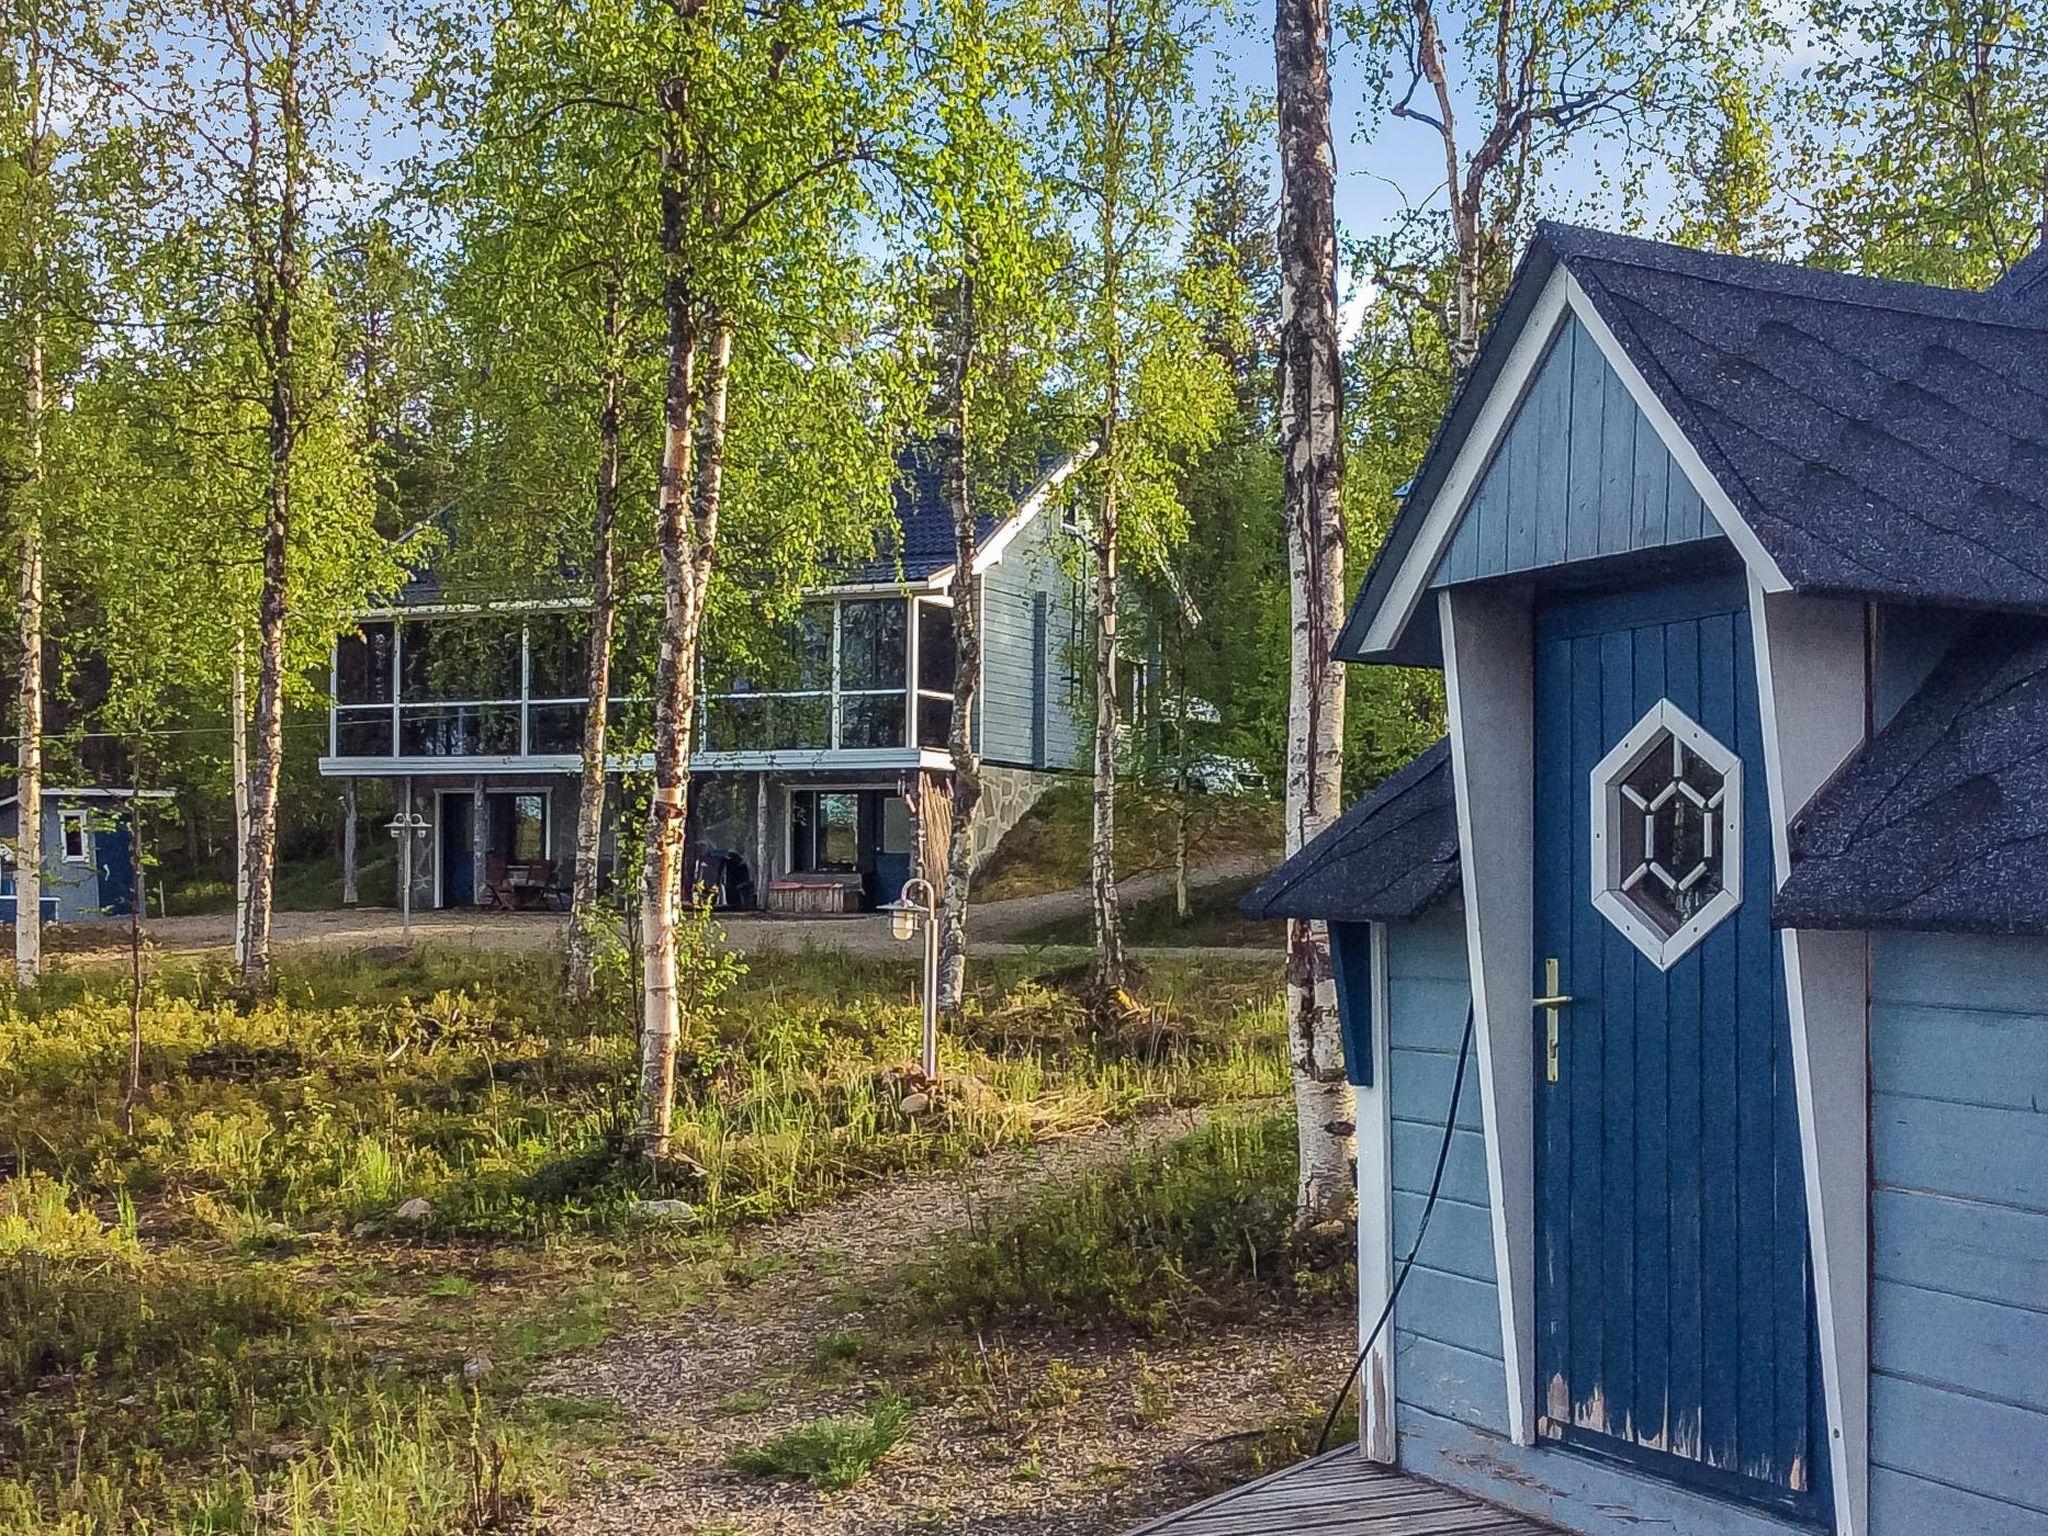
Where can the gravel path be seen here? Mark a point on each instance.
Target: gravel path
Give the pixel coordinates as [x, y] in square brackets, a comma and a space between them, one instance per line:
[994, 924]
[1026, 1434]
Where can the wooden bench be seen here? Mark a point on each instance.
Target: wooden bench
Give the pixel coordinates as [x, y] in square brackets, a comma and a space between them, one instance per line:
[814, 895]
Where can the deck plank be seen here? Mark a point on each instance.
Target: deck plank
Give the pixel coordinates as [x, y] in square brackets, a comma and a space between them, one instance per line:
[1340, 1495]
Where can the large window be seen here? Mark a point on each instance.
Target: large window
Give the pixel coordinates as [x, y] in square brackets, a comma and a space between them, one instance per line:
[779, 699]
[824, 830]
[510, 685]
[937, 661]
[839, 679]
[873, 665]
[365, 671]
[489, 685]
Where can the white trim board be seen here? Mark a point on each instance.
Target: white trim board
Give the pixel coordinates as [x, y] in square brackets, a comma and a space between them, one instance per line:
[1562, 297]
[1812, 677]
[1489, 676]
[1377, 1410]
[1034, 502]
[1441, 517]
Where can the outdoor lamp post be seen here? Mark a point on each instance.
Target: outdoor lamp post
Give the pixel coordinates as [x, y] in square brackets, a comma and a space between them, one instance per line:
[917, 908]
[407, 824]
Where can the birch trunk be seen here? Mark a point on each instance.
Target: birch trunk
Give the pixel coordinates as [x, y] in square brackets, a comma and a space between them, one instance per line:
[1109, 927]
[267, 761]
[693, 467]
[1110, 971]
[276, 278]
[350, 894]
[238, 768]
[585, 915]
[965, 590]
[28, 808]
[28, 863]
[138, 900]
[1311, 439]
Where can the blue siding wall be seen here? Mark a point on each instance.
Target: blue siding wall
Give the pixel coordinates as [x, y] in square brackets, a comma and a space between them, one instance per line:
[1581, 474]
[1447, 1343]
[1026, 721]
[1959, 1211]
[71, 891]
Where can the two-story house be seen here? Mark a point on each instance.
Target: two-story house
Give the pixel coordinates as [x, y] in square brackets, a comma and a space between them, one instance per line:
[805, 777]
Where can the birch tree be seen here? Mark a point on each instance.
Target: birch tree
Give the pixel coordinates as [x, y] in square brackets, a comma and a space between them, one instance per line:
[274, 441]
[759, 133]
[1535, 74]
[555, 283]
[68, 167]
[985, 244]
[1117, 128]
[1312, 468]
[1916, 137]
[264, 78]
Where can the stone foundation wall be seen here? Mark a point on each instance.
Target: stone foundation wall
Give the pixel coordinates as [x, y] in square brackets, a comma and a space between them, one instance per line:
[1006, 794]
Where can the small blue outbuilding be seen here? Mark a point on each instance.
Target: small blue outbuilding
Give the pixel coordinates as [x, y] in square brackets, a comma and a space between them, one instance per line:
[86, 862]
[1736, 860]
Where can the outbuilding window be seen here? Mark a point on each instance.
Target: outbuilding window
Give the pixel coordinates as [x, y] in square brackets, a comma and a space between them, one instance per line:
[72, 826]
[1667, 834]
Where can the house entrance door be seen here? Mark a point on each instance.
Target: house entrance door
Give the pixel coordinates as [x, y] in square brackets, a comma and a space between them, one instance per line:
[1674, 1306]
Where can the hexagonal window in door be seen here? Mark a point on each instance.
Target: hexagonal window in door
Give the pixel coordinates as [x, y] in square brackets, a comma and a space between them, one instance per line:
[1667, 834]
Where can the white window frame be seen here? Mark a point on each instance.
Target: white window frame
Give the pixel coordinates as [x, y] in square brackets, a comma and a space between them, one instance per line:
[1661, 949]
[69, 821]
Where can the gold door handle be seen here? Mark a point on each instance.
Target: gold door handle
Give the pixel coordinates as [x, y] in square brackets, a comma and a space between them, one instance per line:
[1553, 999]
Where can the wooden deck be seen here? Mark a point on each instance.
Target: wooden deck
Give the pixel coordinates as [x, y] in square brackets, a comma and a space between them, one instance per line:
[1340, 1494]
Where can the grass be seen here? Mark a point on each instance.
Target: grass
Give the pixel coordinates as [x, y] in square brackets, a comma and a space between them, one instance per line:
[303, 885]
[1048, 849]
[834, 1452]
[1212, 922]
[219, 1323]
[1170, 1237]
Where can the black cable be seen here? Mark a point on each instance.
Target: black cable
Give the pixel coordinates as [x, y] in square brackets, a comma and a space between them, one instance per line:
[1436, 1184]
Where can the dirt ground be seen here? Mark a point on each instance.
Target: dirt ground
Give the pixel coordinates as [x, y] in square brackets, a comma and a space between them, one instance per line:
[1024, 1433]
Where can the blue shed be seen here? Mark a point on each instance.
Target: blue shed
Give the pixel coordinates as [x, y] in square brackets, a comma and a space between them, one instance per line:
[1736, 861]
[86, 853]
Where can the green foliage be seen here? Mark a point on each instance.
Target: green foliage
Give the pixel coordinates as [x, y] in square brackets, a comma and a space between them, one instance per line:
[227, 1309]
[1918, 129]
[1048, 849]
[834, 1452]
[1212, 920]
[1169, 1237]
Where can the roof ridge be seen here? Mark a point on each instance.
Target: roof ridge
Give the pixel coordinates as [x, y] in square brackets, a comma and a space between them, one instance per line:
[1824, 284]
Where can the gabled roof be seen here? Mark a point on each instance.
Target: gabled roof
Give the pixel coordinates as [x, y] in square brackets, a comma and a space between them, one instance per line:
[1871, 438]
[1941, 821]
[1391, 856]
[921, 539]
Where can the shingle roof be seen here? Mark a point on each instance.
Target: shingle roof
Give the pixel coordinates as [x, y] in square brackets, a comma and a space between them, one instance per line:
[1882, 439]
[2025, 287]
[1885, 439]
[1941, 821]
[1389, 857]
[924, 521]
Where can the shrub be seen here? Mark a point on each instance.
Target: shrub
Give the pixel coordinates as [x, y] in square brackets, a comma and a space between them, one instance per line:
[1164, 1236]
[832, 1453]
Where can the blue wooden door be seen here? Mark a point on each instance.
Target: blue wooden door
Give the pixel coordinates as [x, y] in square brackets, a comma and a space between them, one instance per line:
[112, 859]
[1674, 1305]
[458, 857]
